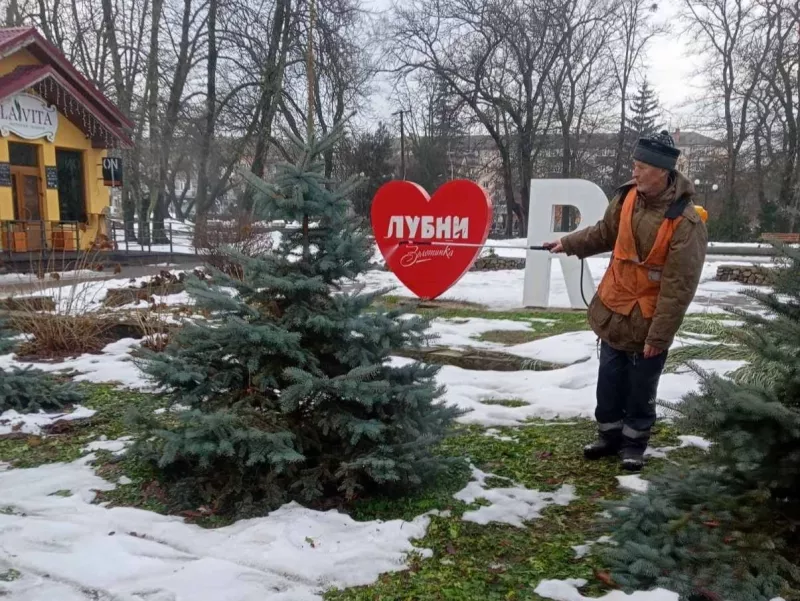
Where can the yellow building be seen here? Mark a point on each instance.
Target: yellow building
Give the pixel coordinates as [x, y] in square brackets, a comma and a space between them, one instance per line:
[55, 130]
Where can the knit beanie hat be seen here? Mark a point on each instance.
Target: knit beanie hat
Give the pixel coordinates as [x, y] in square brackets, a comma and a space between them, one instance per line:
[657, 150]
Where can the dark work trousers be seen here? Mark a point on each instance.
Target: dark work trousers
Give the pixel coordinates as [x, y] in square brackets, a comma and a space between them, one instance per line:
[626, 396]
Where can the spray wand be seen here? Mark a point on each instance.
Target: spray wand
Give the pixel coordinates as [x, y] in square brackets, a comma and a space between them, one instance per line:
[471, 245]
[546, 246]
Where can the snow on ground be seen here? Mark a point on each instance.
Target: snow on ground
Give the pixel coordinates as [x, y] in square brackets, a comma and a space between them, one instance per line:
[696, 442]
[32, 423]
[116, 446]
[567, 590]
[634, 483]
[567, 392]
[11, 279]
[113, 365]
[457, 333]
[69, 549]
[510, 505]
[586, 548]
[494, 433]
[502, 290]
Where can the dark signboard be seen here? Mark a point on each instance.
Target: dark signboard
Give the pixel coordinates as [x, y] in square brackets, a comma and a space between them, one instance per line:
[51, 174]
[5, 175]
[112, 171]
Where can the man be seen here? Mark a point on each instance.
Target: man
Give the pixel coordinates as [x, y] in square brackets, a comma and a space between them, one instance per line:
[658, 244]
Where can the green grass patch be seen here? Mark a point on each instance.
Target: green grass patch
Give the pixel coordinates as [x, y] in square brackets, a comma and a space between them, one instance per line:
[718, 352]
[572, 319]
[144, 490]
[505, 403]
[10, 575]
[510, 337]
[111, 405]
[542, 323]
[500, 562]
[470, 561]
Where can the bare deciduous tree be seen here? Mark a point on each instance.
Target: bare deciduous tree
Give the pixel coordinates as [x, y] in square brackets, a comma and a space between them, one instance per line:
[634, 30]
[734, 37]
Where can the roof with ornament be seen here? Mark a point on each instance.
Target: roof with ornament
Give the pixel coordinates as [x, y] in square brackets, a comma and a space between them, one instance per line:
[61, 85]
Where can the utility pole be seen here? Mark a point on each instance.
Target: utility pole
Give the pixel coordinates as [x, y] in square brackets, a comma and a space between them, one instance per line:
[402, 144]
[312, 14]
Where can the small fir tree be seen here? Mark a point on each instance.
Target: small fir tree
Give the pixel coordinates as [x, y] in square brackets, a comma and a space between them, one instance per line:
[290, 388]
[644, 119]
[727, 529]
[645, 112]
[28, 390]
[369, 155]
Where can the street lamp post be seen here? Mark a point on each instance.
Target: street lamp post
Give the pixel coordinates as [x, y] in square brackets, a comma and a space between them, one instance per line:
[704, 185]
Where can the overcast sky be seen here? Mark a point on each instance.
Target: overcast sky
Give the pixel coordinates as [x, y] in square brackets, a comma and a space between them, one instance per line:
[669, 66]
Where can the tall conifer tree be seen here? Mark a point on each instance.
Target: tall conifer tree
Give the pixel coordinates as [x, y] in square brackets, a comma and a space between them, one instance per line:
[727, 529]
[291, 390]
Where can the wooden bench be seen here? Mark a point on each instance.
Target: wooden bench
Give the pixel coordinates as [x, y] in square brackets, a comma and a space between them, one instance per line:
[781, 237]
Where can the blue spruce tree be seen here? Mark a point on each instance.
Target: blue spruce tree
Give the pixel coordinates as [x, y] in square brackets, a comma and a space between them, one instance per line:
[289, 387]
[727, 529]
[28, 390]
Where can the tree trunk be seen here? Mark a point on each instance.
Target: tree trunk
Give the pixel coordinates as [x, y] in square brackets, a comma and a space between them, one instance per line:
[508, 188]
[152, 117]
[124, 102]
[12, 14]
[202, 200]
[759, 168]
[525, 175]
[271, 91]
[620, 145]
[161, 212]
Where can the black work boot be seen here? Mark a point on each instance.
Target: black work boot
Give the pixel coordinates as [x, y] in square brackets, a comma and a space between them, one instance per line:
[632, 458]
[606, 445]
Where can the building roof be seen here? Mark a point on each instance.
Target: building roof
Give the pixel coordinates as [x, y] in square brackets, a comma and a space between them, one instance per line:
[56, 76]
[693, 138]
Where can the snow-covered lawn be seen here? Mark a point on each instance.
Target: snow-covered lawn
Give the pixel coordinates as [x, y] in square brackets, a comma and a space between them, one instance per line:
[67, 549]
[63, 546]
[502, 290]
[32, 423]
[59, 545]
[567, 392]
[114, 364]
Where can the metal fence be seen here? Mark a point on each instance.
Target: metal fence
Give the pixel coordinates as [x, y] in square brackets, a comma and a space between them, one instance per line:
[40, 236]
[170, 239]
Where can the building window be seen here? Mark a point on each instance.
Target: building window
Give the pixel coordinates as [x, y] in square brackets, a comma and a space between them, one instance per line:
[23, 155]
[71, 197]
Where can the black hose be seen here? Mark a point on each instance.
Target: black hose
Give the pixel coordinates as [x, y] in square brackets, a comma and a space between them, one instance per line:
[583, 296]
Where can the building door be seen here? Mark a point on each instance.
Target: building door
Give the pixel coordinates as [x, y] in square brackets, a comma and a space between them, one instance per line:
[27, 192]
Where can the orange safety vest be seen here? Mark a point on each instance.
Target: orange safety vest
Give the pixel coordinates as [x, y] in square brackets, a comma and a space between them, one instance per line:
[629, 281]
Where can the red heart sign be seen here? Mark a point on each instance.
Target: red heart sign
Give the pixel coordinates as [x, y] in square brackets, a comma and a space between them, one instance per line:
[421, 236]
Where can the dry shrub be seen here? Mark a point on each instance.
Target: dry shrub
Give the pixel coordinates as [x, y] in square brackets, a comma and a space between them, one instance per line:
[53, 336]
[155, 324]
[72, 327]
[244, 236]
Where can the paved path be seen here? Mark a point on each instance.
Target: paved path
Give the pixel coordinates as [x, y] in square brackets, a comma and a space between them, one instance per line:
[32, 284]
